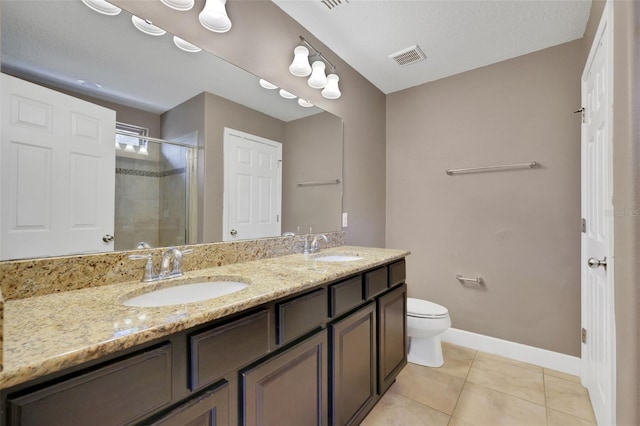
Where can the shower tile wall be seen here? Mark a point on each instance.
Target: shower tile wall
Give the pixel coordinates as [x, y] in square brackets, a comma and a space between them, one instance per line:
[150, 199]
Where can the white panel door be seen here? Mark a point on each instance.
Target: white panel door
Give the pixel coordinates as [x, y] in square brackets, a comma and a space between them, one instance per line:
[58, 173]
[252, 186]
[598, 314]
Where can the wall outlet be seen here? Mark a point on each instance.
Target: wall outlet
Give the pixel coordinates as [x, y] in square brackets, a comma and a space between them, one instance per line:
[345, 220]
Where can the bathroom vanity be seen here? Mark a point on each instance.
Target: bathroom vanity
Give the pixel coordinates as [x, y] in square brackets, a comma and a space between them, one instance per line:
[307, 342]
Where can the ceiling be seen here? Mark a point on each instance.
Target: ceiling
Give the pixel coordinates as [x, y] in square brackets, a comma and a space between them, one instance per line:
[58, 42]
[455, 35]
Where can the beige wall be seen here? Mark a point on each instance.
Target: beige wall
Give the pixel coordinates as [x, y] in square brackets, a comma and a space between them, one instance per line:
[261, 41]
[312, 152]
[519, 230]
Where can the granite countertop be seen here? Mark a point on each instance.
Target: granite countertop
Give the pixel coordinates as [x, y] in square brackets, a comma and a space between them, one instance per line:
[46, 334]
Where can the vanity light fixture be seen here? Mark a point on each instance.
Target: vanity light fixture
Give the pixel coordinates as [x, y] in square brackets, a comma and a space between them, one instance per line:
[102, 6]
[214, 16]
[147, 27]
[287, 95]
[304, 104]
[266, 85]
[185, 45]
[318, 80]
[181, 5]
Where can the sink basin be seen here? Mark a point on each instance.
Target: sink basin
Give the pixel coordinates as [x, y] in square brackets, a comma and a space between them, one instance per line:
[187, 293]
[338, 258]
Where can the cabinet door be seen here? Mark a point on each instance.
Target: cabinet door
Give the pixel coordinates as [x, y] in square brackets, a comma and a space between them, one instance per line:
[209, 408]
[392, 336]
[290, 388]
[353, 369]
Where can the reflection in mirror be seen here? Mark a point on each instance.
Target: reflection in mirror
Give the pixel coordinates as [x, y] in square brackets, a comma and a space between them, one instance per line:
[166, 191]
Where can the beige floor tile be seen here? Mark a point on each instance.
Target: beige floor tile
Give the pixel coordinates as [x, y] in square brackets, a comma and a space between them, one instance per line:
[429, 387]
[397, 410]
[558, 418]
[480, 405]
[509, 361]
[568, 397]
[457, 360]
[457, 422]
[512, 377]
[561, 375]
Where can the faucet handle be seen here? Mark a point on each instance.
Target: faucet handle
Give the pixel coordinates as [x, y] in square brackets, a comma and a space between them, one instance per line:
[149, 270]
[177, 261]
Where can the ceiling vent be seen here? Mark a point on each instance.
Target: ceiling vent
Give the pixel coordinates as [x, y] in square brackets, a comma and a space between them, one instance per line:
[408, 56]
[334, 4]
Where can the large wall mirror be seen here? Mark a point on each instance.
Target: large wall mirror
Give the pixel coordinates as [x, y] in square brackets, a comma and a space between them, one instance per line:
[173, 109]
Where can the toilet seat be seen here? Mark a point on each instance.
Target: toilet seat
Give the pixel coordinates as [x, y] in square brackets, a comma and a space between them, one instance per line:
[419, 308]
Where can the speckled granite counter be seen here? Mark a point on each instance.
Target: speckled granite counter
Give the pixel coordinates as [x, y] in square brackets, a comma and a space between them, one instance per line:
[49, 333]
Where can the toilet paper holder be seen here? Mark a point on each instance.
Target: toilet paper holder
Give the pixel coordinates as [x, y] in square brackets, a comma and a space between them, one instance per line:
[477, 280]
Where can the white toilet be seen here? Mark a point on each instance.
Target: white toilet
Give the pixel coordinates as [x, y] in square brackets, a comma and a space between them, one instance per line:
[426, 321]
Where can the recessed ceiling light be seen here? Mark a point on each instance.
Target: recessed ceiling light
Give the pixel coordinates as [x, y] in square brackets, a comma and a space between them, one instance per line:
[185, 45]
[147, 27]
[181, 5]
[102, 6]
[287, 95]
[267, 85]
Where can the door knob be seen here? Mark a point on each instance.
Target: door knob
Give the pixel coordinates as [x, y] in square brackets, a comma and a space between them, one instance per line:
[595, 263]
[107, 238]
[233, 232]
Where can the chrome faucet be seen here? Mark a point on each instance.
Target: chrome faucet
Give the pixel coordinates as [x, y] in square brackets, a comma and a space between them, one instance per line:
[168, 269]
[315, 243]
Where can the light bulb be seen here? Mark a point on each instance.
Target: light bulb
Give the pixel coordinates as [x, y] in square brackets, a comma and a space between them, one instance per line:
[102, 6]
[147, 27]
[129, 148]
[331, 91]
[143, 149]
[300, 66]
[181, 5]
[287, 95]
[185, 45]
[304, 103]
[214, 16]
[317, 80]
[265, 84]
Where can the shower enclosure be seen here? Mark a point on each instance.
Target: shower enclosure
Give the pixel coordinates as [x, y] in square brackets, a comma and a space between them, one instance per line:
[154, 198]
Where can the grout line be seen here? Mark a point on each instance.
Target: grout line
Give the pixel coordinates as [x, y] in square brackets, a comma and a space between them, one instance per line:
[463, 385]
[544, 389]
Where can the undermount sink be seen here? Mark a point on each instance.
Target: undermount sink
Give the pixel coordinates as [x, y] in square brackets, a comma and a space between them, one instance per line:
[186, 293]
[338, 258]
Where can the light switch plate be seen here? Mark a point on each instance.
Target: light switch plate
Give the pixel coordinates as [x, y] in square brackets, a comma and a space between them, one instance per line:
[345, 220]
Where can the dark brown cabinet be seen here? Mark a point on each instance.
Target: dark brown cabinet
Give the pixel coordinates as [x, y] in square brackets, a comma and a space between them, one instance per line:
[210, 408]
[289, 388]
[392, 336]
[353, 366]
[323, 356]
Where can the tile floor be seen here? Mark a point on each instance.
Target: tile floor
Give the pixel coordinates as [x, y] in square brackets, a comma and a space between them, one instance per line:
[474, 388]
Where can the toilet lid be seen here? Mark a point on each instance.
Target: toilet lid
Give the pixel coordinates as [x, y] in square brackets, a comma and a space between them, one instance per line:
[425, 309]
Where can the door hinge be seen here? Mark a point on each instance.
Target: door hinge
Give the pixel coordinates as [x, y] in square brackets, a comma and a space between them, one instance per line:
[584, 225]
[277, 218]
[583, 335]
[581, 111]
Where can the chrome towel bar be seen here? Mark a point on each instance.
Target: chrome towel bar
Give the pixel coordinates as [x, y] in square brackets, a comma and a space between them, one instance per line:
[530, 165]
[477, 280]
[320, 182]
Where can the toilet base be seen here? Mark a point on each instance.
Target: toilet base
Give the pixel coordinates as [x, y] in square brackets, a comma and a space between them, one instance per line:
[426, 351]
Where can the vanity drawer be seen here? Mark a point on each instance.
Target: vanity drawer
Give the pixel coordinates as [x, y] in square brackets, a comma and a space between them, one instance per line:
[227, 347]
[116, 394]
[375, 282]
[397, 273]
[300, 315]
[344, 296]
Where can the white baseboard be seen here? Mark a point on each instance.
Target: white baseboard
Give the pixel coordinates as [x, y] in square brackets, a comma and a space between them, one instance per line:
[542, 357]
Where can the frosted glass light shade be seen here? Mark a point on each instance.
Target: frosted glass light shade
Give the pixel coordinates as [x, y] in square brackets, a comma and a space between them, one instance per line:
[147, 27]
[181, 5]
[318, 79]
[102, 6]
[331, 91]
[303, 103]
[287, 95]
[214, 16]
[300, 66]
[185, 45]
[265, 84]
